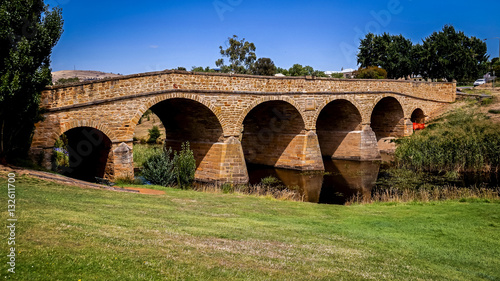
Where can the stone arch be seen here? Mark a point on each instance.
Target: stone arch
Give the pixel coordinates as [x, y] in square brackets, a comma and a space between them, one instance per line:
[150, 102]
[255, 103]
[273, 135]
[388, 118]
[320, 108]
[417, 115]
[95, 124]
[381, 97]
[89, 153]
[339, 126]
[190, 118]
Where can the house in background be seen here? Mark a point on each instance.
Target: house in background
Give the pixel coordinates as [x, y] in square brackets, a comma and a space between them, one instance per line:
[347, 73]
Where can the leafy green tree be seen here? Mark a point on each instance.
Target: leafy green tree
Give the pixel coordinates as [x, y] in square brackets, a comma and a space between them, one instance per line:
[282, 71]
[368, 51]
[337, 75]
[181, 68]
[390, 52]
[29, 30]
[319, 73]
[201, 69]
[494, 65]
[241, 55]
[264, 66]
[197, 69]
[299, 70]
[154, 134]
[452, 55]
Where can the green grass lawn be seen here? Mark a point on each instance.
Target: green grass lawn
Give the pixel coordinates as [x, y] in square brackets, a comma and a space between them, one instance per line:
[69, 233]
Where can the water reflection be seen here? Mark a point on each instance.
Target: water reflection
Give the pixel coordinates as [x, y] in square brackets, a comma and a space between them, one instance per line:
[341, 180]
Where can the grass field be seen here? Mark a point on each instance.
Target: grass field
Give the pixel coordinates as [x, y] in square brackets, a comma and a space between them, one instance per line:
[69, 233]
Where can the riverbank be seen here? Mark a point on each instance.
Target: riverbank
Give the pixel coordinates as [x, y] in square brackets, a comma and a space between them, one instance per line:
[70, 233]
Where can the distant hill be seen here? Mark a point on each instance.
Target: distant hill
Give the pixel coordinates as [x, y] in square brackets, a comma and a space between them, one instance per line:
[83, 75]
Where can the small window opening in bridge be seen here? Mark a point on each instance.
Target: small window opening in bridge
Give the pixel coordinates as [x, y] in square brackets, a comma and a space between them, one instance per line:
[387, 120]
[336, 126]
[268, 132]
[87, 150]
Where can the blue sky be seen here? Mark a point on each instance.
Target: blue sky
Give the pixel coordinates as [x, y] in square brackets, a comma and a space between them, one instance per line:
[140, 36]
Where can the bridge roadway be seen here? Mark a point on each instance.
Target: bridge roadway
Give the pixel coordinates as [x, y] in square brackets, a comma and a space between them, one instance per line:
[230, 120]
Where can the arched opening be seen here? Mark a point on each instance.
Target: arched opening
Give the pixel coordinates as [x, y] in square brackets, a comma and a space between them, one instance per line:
[185, 120]
[88, 151]
[269, 131]
[387, 119]
[335, 127]
[418, 116]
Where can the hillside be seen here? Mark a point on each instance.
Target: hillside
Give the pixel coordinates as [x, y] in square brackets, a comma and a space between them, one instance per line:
[83, 75]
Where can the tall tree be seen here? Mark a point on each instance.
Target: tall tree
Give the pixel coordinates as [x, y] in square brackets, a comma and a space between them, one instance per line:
[264, 66]
[29, 30]
[453, 55]
[390, 52]
[241, 55]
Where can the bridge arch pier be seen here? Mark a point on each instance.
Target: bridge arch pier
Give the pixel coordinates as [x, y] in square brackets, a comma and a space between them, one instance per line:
[274, 133]
[344, 133]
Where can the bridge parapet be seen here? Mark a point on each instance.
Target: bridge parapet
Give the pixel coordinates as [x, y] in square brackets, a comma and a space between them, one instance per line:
[171, 81]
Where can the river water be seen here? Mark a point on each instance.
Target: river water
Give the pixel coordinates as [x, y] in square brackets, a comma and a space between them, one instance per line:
[342, 179]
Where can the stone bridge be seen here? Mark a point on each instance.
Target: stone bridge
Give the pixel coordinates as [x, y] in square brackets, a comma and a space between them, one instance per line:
[230, 120]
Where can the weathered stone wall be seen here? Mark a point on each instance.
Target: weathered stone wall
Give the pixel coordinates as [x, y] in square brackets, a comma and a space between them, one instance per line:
[212, 108]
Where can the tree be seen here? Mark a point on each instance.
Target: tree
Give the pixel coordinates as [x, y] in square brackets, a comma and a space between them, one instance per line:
[453, 55]
[494, 65]
[264, 66]
[154, 134]
[282, 71]
[337, 75]
[30, 29]
[299, 70]
[390, 52]
[241, 55]
[201, 69]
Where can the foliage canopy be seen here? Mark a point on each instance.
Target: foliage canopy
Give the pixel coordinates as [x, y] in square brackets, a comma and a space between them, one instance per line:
[30, 29]
[447, 54]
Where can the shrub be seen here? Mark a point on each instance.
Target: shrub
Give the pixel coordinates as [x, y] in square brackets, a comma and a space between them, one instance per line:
[371, 72]
[63, 81]
[463, 141]
[163, 168]
[143, 151]
[185, 166]
[159, 168]
[154, 134]
[60, 155]
[270, 180]
[227, 188]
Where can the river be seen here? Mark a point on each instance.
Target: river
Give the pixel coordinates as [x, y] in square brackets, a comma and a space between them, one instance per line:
[343, 178]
